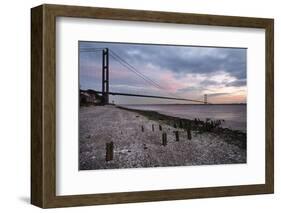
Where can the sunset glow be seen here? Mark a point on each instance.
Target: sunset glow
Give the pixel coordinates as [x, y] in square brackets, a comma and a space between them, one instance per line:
[182, 71]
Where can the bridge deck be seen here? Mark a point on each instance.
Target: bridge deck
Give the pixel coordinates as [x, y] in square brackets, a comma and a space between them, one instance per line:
[151, 96]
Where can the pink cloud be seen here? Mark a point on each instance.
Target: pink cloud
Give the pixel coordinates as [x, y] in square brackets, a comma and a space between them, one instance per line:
[169, 82]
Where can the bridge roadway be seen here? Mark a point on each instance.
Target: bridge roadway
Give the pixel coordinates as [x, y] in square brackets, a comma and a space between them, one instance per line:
[150, 96]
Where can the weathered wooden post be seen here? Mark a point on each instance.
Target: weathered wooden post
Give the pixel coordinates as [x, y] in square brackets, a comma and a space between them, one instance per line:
[188, 133]
[109, 151]
[152, 127]
[142, 129]
[196, 123]
[180, 124]
[164, 138]
[187, 124]
[177, 135]
[160, 127]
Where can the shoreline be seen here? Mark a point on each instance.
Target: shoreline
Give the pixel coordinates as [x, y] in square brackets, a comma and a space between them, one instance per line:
[195, 125]
[233, 116]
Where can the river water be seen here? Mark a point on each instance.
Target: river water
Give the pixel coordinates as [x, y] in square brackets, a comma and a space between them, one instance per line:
[234, 115]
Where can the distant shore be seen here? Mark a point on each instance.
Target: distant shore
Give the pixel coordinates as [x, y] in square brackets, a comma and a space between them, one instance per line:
[137, 136]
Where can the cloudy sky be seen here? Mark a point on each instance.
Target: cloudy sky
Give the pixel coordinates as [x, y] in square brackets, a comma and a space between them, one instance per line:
[180, 71]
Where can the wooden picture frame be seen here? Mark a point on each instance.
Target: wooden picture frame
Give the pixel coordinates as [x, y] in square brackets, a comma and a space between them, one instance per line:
[43, 105]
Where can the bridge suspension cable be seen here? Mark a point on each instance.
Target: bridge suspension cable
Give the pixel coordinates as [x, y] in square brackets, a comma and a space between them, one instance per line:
[91, 49]
[134, 70]
[125, 64]
[131, 68]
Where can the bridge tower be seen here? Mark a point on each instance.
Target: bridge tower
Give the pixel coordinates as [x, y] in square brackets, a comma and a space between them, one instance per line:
[205, 99]
[105, 76]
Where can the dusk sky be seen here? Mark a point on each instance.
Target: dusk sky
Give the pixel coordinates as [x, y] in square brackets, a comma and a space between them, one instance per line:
[182, 71]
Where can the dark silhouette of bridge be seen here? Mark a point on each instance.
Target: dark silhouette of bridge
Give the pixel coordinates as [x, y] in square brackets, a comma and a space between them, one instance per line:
[106, 52]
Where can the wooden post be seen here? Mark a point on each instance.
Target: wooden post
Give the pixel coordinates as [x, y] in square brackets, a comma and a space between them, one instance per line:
[142, 129]
[197, 124]
[164, 138]
[177, 135]
[160, 127]
[188, 134]
[180, 124]
[153, 127]
[109, 151]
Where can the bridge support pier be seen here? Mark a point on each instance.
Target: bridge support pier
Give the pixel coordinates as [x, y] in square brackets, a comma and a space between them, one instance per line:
[105, 76]
[205, 99]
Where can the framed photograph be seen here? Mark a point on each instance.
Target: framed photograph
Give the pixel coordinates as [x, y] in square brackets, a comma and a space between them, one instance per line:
[136, 106]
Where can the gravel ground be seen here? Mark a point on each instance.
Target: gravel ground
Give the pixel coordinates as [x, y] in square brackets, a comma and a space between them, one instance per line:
[134, 148]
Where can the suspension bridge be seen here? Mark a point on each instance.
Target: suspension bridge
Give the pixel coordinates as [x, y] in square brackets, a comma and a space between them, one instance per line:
[106, 52]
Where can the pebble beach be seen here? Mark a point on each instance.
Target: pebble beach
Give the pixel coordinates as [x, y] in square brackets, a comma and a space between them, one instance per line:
[137, 138]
